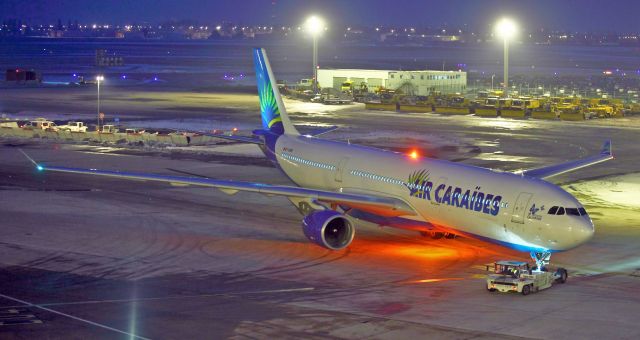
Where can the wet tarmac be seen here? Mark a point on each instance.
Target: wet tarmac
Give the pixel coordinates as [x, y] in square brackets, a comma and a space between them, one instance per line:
[101, 258]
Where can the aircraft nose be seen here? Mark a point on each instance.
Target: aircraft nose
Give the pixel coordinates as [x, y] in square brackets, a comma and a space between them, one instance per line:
[584, 231]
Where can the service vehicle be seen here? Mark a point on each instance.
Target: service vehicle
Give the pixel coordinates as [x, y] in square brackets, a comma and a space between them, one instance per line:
[517, 276]
[134, 131]
[41, 124]
[109, 129]
[347, 86]
[73, 127]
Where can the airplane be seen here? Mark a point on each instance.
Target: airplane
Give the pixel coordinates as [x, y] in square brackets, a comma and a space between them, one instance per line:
[340, 184]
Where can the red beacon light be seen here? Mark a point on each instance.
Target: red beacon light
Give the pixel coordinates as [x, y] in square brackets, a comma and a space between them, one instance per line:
[414, 154]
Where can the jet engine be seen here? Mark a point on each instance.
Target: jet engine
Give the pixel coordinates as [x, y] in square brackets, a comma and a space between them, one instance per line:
[328, 229]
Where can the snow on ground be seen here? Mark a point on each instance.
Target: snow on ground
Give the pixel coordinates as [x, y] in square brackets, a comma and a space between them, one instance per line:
[613, 191]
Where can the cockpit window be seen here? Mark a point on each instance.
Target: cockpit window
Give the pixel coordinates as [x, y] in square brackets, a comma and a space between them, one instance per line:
[573, 211]
[556, 210]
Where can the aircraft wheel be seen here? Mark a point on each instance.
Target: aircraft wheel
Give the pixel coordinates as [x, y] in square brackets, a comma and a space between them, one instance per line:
[562, 275]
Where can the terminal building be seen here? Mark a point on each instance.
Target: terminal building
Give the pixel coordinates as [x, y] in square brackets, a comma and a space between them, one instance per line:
[419, 83]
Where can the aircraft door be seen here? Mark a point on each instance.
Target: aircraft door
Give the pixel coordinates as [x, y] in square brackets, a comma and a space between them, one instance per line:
[520, 208]
[341, 168]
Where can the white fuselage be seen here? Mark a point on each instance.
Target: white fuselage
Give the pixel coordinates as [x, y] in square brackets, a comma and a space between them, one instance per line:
[497, 206]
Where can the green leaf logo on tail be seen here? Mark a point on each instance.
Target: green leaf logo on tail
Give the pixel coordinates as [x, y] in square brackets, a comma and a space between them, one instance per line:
[269, 106]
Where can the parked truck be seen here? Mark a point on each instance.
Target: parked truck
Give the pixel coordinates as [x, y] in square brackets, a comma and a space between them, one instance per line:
[73, 127]
[109, 129]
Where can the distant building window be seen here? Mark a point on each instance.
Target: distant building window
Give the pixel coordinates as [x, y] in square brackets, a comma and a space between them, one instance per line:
[393, 76]
[413, 77]
[421, 77]
[401, 76]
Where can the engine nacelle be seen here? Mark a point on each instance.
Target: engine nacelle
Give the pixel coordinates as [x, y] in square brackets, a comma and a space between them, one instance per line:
[329, 229]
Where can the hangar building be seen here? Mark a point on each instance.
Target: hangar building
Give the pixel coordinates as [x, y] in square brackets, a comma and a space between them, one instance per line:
[420, 83]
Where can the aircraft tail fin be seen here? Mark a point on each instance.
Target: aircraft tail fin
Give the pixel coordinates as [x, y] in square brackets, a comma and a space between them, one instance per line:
[274, 115]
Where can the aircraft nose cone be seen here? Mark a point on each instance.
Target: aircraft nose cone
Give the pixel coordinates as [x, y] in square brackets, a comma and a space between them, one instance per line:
[583, 232]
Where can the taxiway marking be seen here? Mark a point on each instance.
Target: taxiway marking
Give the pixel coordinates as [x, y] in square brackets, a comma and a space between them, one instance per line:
[87, 302]
[131, 335]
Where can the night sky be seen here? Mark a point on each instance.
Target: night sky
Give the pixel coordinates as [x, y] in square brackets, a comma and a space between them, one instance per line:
[577, 15]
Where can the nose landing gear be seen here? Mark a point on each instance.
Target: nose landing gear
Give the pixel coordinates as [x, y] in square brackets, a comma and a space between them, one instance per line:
[542, 259]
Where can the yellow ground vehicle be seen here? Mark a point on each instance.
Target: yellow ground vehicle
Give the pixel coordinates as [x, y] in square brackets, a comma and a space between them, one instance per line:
[504, 103]
[517, 276]
[602, 111]
[570, 112]
[486, 108]
[346, 86]
[633, 108]
[452, 104]
[492, 102]
[570, 101]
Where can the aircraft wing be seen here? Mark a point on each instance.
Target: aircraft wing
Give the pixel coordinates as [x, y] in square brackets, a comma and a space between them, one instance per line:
[558, 169]
[381, 205]
[316, 131]
[244, 139]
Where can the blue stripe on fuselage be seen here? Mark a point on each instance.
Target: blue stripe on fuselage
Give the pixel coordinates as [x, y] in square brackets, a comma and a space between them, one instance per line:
[518, 247]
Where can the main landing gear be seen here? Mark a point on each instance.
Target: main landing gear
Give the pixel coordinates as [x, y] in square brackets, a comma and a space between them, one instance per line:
[542, 259]
[437, 235]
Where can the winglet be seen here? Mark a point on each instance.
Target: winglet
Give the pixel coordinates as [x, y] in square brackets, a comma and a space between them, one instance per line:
[606, 148]
[38, 166]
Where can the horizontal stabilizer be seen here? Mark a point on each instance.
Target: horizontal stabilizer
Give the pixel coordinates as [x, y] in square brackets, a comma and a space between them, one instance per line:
[236, 138]
[317, 131]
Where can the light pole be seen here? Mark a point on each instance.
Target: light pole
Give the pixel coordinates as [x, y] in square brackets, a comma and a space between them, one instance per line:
[492, 76]
[315, 25]
[98, 80]
[506, 29]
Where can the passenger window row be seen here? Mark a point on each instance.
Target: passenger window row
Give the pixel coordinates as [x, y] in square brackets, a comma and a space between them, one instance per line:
[376, 177]
[308, 162]
[555, 210]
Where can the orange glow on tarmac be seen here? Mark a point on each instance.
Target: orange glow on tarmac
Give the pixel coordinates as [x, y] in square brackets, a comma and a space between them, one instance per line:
[438, 280]
[425, 252]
